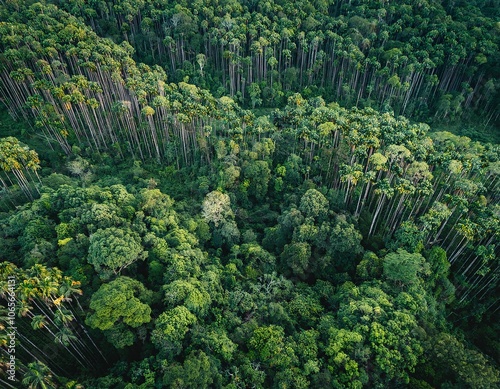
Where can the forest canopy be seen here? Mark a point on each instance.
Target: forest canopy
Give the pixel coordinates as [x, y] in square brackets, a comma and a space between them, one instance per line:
[228, 194]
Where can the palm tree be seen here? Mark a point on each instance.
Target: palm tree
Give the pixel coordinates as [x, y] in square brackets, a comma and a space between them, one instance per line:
[24, 309]
[38, 321]
[68, 288]
[38, 375]
[17, 159]
[63, 316]
[7, 268]
[65, 336]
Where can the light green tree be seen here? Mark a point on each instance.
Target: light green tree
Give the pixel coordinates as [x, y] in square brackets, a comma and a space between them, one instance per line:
[122, 301]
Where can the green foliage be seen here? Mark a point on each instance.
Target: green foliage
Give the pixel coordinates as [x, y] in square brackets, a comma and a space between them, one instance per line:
[462, 366]
[123, 300]
[370, 267]
[314, 204]
[316, 244]
[38, 376]
[258, 174]
[408, 237]
[190, 293]
[216, 340]
[341, 348]
[114, 249]
[404, 268]
[197, 371]
[269, 345]
[296, 257]
[155, 203]
[171, 327]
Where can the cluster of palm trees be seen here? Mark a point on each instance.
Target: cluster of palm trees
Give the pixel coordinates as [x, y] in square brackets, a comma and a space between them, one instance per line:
[18, 164]
[47, 302]
[415, 57]
[79, 89]
[390, 171]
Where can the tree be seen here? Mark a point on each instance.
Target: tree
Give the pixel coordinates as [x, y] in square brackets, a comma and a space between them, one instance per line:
[342, 348]
[19, 160]
[121, 301]
[387, 336]
[404, 268]
[190, 293]
[255, 94]
[396, 347]
[38, 375]
[314, 204]
[216, 208]
[269, 345]
[258, 174]
[295, 257]
[170, 329]
[201, 60]
[342, 243]
[369, 267]
[113, 249]
[408, 237]
[452, 360]
[80, 167]
[155, 203]
[197, 371]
